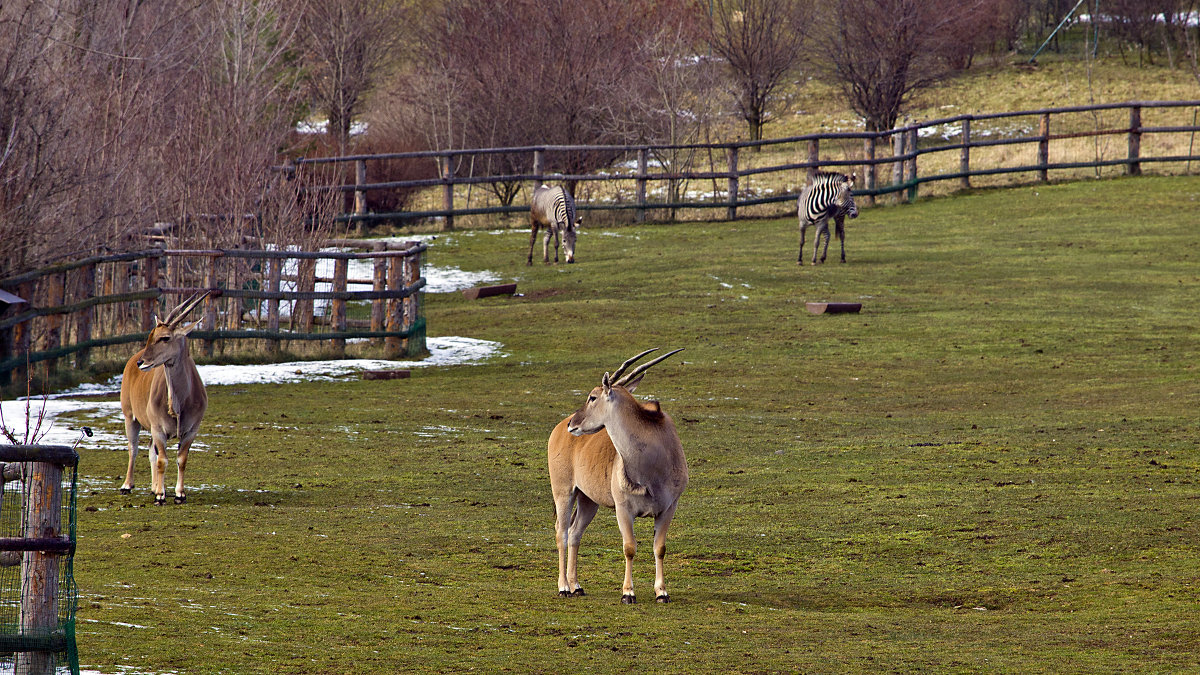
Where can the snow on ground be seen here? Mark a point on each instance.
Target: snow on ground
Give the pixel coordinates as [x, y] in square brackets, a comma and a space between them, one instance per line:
[443, 351]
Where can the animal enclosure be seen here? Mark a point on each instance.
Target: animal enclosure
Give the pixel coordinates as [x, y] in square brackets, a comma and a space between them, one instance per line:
[731, 180]
[269, 296]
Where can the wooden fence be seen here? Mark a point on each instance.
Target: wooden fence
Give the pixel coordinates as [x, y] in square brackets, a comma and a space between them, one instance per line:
[37, 536]
[276, 296]
[955, 152]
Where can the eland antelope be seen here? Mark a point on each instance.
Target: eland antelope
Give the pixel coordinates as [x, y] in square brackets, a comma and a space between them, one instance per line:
[624, 454]
[161, 390]
[554, 209]
[828, 196]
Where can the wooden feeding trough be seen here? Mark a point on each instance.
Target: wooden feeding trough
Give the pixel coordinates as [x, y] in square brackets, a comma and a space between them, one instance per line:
[833, 307]
[489, 291]
[386, 374]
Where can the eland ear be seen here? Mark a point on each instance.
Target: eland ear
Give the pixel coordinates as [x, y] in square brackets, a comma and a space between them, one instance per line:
[631, 385]
[606, 382]
[187, 328]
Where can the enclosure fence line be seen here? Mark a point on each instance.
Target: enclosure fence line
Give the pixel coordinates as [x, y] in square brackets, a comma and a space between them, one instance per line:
[38, 596]
[275, 296]
[892, 162]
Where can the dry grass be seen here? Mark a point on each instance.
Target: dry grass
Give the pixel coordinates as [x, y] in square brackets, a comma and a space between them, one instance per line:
[820, 108]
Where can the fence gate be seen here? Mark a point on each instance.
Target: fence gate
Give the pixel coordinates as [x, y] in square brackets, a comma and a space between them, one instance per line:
[37, 547]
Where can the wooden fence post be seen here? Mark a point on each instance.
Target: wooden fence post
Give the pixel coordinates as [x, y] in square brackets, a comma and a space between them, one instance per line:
[448, 192]
[814, 157]
[539, 168]
[869, 170]
[83, 322]
[210, 303]
[640, 214]
[379, 283]
[23, 332]
[411, 345]
[306, 282]
[150, 279]
[1043, 160]
[360, 195]
[731, 210]
[898, 163]
[1134, 168]
[337, 312]
[274, 276]
[964, 160]
[39, 569]
[55, 296]
[392, 347]
[911, 149]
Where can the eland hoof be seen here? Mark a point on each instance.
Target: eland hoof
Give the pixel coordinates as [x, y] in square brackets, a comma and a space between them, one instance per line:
[564, 594]
[126, 490]
[180, 500]
[579, 593]
[628, 600]
[160, 501]
[664, 598]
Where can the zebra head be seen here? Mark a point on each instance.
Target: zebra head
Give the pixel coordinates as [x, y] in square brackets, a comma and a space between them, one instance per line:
[570, 231]
[845, 196]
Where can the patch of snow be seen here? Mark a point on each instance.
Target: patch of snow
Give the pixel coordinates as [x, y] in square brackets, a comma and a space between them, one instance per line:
[443, 351]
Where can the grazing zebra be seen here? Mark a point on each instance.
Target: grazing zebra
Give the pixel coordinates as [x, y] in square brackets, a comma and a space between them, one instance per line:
[554, 209]
[828, 196]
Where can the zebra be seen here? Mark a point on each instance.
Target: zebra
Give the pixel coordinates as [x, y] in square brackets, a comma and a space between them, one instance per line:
[828, 196]
[554, 209]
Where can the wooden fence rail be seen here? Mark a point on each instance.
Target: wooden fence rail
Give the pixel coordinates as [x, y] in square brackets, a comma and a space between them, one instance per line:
[73, 308]
[912, 149]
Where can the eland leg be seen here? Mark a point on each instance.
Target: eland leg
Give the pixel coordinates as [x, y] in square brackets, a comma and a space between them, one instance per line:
[158, 467]
[585, 511]
[132, 430]
[563, 505]
[629, 545]
[662, 522]
[180, 465]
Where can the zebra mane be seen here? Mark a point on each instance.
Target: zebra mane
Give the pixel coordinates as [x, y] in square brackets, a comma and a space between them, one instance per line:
[828, 177]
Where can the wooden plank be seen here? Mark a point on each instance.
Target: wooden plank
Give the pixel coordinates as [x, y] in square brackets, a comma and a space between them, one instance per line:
[489, 291]
[833, 307]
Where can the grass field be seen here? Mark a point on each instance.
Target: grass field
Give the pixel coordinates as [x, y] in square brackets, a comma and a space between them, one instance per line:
[993, 467]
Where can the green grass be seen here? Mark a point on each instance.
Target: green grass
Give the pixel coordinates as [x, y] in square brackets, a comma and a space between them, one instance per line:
[991, 468]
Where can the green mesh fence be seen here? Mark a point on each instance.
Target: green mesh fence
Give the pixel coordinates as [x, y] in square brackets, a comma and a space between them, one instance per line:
[38, 595]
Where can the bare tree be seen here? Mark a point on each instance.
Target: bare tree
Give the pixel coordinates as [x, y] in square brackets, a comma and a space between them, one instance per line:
[762, 43]
[497, 73]
[882, 51]
[348, 45]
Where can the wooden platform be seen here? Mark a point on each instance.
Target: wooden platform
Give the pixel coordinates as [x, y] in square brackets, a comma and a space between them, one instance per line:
[833, 307]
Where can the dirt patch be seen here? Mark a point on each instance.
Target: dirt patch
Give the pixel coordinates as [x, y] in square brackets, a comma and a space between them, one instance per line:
[542, 294]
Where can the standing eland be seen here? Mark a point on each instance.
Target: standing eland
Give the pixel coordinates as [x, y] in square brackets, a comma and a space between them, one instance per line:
[161, 390]
[624, 454]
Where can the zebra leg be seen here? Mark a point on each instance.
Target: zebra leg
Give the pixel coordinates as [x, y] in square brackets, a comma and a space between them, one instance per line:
[557, 240]
[803, 226]
[532, 240]
[822, 228]
[546, 244]
[841, 233]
